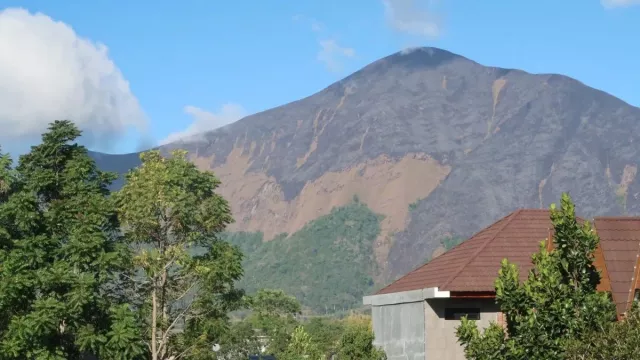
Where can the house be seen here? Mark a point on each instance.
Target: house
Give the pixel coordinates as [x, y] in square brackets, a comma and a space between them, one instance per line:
[415, 317]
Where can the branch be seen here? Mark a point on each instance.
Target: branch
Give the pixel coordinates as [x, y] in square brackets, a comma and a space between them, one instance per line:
[165, 335]
[190, 348]
[179, 316]
[185, 292]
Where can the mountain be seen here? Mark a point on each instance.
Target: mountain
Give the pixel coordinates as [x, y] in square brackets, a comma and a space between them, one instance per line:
[436, 145]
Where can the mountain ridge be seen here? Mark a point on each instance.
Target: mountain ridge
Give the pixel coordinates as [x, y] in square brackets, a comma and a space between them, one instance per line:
[438, 144]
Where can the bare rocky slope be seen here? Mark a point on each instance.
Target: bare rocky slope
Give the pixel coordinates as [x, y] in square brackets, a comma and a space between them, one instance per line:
[439, 144]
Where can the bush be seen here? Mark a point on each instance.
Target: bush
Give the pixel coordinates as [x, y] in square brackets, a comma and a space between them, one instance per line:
[615, 341]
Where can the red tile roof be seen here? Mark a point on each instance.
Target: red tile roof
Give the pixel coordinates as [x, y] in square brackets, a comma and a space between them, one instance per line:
[620, 242]
[473, 265]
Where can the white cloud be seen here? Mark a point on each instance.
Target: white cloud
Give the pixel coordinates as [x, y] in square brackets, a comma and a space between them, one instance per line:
[619, 3]
[48, 72]
[407, 17]
[331, 54]
[204, 121]
[315, 25]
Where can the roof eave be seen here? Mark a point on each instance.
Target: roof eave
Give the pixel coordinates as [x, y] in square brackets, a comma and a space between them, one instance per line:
[404, 297]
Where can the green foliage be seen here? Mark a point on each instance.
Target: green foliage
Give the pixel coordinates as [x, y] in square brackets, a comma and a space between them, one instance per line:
[61, 257]
[356, 342]
[301, 347]
[144, 274]
[271, 323]
[169, 209]
[557, 304]
[274, 318]
[618, 340]
[273, 303]
[450, 242]
[491, 344]
[238, 342]
[326, 333]
[327, 265]
[7, 175]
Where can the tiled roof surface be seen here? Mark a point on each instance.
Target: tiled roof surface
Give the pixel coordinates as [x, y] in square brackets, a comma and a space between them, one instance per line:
[620, 242]
[473, 265]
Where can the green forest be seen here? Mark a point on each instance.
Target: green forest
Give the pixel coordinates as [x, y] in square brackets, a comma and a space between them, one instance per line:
[327, 265]
[144, 273]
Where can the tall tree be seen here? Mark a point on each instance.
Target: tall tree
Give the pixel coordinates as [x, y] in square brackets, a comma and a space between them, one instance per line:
[7, 175]
[556, 305]
[172, 216]
[61, 256]
[356, 342]
[301, 347]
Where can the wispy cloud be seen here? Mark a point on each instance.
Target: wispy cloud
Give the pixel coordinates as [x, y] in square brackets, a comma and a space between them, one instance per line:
[204, 121]
[332, 54]
[412, 17]
[609, 4]
[316, 26]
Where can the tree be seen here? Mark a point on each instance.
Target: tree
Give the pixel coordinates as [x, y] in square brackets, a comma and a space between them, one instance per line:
[301, 347]
[326, 333]
[618, 340]
[7, 175]
[269, 326]
[239, 342]
[7, 181]
[61, 256]
[274, 317]
[356, 343]
[172, 217]
[557, 304]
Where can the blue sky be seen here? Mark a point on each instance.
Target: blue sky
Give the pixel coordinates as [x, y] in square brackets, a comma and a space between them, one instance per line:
[215, 61]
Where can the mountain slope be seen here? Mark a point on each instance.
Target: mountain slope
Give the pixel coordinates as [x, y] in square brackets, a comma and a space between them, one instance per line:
[438, 145]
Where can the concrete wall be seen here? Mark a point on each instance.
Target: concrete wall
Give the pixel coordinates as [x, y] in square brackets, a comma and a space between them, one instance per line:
[400, 330]
[441, 342]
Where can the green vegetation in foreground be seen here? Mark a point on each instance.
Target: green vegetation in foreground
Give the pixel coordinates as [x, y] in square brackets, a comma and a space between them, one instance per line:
[557, 313]
[67, 284]
[327, 264]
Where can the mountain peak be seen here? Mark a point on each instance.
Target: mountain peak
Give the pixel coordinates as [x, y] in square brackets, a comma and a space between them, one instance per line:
[414, 58]
[422, 56]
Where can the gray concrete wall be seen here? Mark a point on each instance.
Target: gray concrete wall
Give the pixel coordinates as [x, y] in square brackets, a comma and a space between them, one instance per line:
[400, 330]
[441, 342]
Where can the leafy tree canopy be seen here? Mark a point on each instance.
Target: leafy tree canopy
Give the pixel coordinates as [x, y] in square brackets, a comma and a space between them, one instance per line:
[61, 256]
[172, 216]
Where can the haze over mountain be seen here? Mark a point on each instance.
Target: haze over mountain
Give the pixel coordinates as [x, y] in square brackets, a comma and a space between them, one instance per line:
[438, 144]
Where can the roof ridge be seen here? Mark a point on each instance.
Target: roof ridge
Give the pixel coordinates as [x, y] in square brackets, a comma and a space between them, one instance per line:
[618, 218]
[508, 220]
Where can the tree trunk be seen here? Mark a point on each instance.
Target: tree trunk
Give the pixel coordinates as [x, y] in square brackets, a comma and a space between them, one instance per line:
[165, 315]
[154, 323]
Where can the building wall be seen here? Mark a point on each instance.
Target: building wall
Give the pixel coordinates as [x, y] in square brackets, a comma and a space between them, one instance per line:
[441, 342]
[400, 330]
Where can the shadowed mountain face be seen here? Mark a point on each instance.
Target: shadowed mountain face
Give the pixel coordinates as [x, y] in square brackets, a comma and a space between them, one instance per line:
[439, 145]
